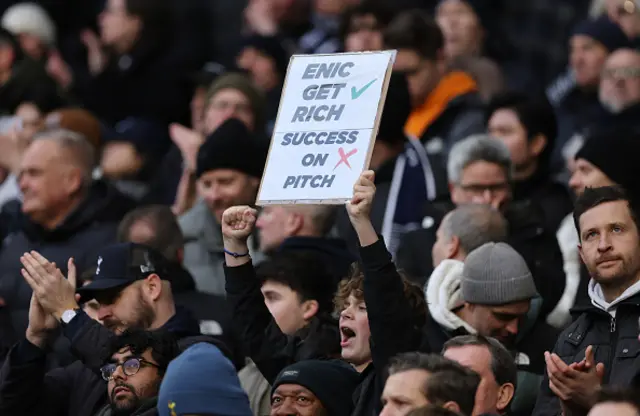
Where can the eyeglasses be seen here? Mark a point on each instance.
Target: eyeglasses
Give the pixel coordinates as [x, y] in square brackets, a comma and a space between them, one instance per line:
[130, 367]
[482, 188]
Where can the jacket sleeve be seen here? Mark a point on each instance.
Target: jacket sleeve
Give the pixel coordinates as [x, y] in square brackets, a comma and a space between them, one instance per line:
[89, 341]
[393, 327]
[269, 348]
[26, 390]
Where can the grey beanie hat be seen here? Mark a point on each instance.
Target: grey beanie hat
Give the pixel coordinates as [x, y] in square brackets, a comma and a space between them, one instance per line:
[495, 274]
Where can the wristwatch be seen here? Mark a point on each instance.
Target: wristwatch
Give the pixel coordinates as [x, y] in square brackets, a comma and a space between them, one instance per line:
[68, 315]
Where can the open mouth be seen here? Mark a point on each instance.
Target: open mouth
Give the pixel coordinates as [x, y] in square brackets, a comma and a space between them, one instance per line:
[346, 334]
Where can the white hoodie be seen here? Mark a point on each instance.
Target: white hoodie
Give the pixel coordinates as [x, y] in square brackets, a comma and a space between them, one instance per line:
[597, 297]
[443, 294]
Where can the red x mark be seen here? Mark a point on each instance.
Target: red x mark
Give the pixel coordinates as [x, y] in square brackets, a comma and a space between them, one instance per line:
[345, 157]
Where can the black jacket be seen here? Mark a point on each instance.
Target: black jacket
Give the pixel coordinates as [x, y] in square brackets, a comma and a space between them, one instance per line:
[615, 344]
[81, 235]
[77, 389]
[527, 235]
[149, 83]
[552, 197]
[393, 325]
[269, 348]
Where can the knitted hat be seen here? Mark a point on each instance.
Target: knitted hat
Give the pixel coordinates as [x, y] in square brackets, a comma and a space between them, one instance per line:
[604, 31]
[396, 111]
[30, 19]
[202, 380]
[272, 47]
[242, 83]
[232, 146]
[332, 382]
[495, 274]
[615, 153]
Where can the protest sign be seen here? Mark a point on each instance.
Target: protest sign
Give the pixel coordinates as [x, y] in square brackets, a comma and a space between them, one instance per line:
[326, 127]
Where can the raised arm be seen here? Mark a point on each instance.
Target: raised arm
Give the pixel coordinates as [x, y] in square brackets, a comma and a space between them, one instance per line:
[269, 348]
[392, 321]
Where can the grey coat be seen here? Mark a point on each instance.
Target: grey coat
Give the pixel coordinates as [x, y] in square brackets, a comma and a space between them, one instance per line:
[204, 249]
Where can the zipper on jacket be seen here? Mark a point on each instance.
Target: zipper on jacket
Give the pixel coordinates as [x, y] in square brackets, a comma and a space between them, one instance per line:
[614, 345]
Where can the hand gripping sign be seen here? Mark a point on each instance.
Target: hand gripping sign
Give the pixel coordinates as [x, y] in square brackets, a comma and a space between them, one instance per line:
[326, 127]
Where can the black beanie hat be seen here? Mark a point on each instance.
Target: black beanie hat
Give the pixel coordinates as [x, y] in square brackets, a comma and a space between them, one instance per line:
[396, 110]
[615, 153]
[232, 146]
[604, 31]
[332, 382]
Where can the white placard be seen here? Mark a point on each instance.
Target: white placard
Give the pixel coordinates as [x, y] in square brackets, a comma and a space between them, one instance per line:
[326, 126]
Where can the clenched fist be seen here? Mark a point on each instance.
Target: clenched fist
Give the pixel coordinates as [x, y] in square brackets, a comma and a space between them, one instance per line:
[359, 208]
[238, 223]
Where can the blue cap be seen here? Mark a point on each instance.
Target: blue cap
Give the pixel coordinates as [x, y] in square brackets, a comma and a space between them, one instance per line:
[119, 265]
[199, 381]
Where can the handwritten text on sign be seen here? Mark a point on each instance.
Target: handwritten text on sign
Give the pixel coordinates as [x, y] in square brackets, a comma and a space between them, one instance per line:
[325, 127]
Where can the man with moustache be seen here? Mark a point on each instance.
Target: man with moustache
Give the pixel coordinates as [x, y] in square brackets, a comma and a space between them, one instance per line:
[130, 289]
[138, 362]
[601, 345]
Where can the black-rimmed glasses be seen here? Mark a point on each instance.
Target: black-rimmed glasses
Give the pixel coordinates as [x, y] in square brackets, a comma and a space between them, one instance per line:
[130, 367]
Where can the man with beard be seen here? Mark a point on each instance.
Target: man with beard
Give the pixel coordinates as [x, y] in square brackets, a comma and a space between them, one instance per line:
[131, 293]
[224, 178]
[139, 360]
[601, 345]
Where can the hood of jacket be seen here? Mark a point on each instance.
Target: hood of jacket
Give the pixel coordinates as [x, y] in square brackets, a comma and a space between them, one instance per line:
[333, 250]
[180, 279]
[597, 297]
[333, 247]
[319, 339]
[102, 204]
[183, 323]
[443, 295]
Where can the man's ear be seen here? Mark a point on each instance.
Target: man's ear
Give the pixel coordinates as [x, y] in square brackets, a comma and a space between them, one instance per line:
[453, 247]
[153, 287]
[505, 395]
[294, 223]
[537, 145]
[180, 255]
[309, 309]
[453, 406]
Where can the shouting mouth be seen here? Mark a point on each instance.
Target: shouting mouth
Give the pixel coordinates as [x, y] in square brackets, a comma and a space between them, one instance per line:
[346, 334]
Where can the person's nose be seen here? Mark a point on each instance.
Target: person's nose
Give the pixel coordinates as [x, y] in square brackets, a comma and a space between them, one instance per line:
[512, 327]
[604, 243]
[347, 313]
[574, 181]
[212, 194]
[118, 374]
[386, 411]
[104, 311]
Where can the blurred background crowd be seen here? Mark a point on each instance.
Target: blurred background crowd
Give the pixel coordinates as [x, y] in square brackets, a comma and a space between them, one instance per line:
[141, 121]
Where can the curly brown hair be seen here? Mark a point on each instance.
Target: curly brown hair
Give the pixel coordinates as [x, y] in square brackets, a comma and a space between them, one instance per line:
[354, 284]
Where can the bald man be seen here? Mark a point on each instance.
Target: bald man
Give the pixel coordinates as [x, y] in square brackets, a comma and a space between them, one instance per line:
[64, 213]
[620, 82]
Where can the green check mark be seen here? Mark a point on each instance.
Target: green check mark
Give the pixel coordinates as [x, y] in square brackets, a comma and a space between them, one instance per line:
[355, 93]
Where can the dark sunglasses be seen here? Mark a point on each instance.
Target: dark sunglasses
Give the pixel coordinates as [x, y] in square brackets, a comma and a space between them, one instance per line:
[130, 367]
